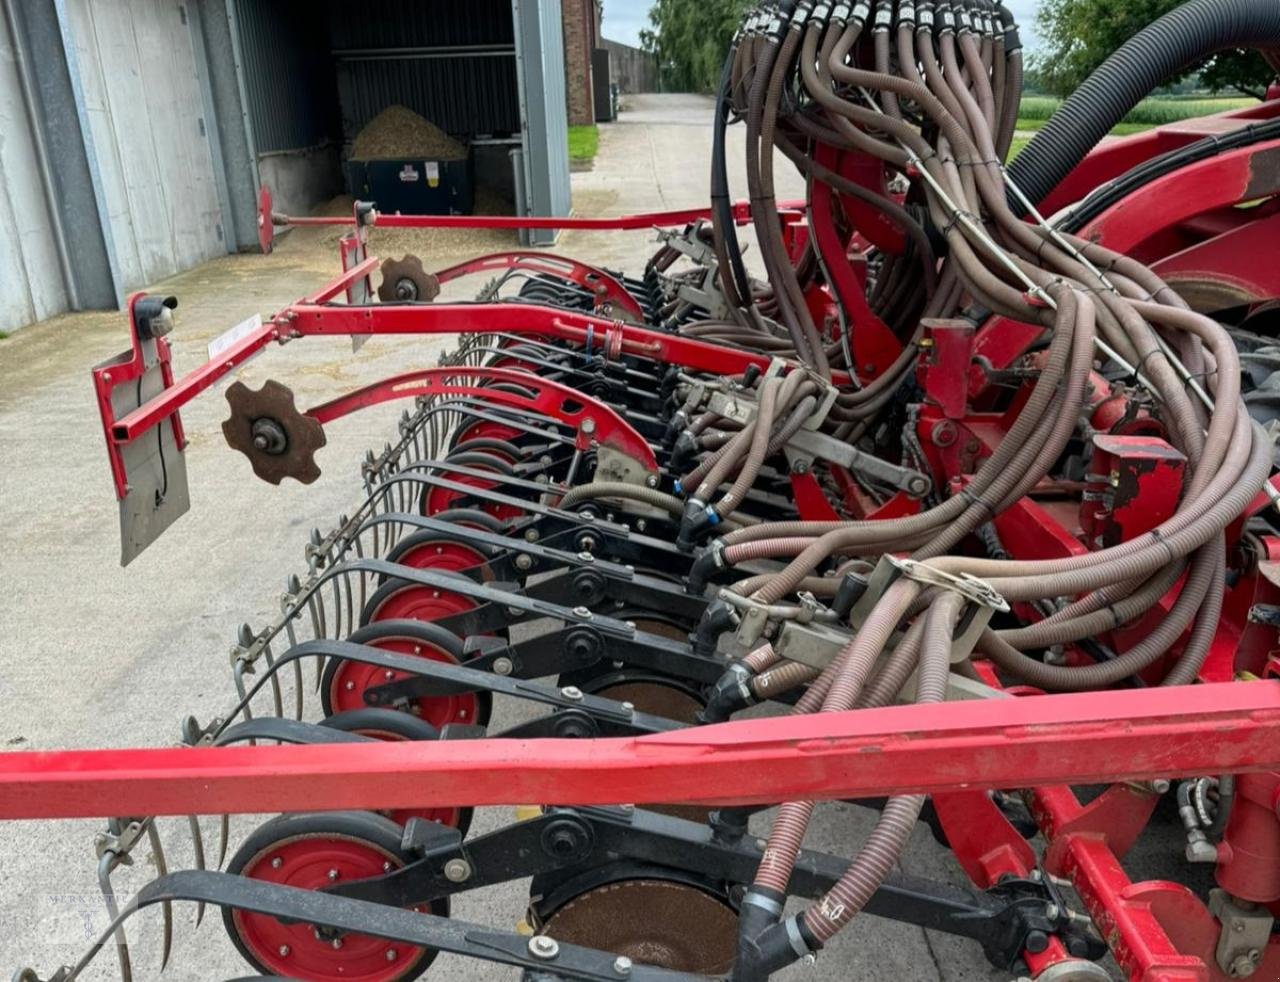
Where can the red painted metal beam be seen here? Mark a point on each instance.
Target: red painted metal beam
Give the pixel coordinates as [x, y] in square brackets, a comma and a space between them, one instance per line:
[1085, 738]
[592, 419]
[609, 296]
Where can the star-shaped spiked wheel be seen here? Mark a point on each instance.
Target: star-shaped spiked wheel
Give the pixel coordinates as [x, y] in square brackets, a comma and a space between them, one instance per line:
[266, 426]
[405, 281]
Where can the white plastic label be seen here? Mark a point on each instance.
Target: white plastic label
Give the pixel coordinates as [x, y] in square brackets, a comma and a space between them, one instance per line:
[228, 338]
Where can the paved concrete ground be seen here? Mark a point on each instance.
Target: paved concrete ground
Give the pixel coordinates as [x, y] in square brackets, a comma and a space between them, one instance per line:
[95, 656]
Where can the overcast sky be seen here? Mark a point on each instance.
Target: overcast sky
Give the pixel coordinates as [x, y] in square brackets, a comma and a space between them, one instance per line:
[623, 19]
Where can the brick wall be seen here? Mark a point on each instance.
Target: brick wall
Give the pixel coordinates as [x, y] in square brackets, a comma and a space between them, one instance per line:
[581, 19]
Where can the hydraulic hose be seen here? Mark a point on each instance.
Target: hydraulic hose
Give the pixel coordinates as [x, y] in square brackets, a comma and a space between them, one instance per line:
[1165, 47]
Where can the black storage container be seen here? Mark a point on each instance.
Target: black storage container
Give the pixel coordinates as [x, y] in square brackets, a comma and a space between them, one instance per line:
[414, 186]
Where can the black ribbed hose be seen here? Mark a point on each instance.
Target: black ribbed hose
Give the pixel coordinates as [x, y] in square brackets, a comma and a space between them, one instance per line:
[1177, 40]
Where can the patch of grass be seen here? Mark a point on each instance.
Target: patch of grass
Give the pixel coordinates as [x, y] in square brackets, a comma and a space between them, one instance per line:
[1016, 146]
[1159, 111]
[583, 142]
[4, 335]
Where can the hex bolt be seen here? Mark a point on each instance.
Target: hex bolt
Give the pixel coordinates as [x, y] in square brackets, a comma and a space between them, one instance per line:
[283, 950]
[333, 875]
[571, 692]
[622, 965]
[457, 871]
[503, 666]
[581, 612]
[336, 943]
[1242, 967]
[629, 707]
[524, 561]
[392, 955]
[540, 946]
[276, 862]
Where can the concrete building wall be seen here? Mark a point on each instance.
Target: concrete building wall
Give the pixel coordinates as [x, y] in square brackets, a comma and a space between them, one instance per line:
[31, 281]
[632, 70]
[140, 91]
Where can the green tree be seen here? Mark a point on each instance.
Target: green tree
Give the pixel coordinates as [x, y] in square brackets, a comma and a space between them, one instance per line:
[1078, 35]
[691, 39]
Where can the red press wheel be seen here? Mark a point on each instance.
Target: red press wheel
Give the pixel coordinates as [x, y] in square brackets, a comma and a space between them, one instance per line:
[436, 499]
[393, 727]
[401, 600]
[426, 550]
[344, 682]
[310, 851]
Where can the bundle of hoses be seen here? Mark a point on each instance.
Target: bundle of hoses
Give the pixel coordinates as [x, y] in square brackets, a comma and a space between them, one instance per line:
[931, 90]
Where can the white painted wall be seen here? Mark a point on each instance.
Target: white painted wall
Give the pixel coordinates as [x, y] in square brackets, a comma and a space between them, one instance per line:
[141, 96]
[31, 285]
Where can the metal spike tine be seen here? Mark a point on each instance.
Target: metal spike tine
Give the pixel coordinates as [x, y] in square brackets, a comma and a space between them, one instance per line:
[113, 914]
[224, 835]
[245, 635]
[197, 847]
[297, 689]
[162, 868]
[277, 696]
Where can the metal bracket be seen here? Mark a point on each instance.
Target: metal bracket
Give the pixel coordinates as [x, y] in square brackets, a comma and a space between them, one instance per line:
[971, 588]
[812, 444]
[1246, 932]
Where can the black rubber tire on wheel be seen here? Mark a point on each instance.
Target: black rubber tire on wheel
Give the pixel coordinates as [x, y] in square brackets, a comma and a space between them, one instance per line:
[377, 720]
[482, 459]
[488, 445]
[471, 516]
[366, 828]
[390, 724]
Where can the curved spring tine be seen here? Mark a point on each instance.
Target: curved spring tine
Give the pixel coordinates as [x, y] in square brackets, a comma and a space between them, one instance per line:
[117, 922]
[319, 615]
[351, 617]
[292, 635]
[297, 690]
[277, 697]
[197, 845]
[316, 632]
[237, 676]
[157, 853]
[224, 836]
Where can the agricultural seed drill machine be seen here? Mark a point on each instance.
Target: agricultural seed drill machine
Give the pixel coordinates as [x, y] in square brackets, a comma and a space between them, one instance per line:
[968, 479]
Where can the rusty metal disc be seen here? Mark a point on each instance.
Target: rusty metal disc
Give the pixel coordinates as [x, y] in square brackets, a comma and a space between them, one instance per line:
[655, 922]
[405, 281]
[266, 426]
[669, 702]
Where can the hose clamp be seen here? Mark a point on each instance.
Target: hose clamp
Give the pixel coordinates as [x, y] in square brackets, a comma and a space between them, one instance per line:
[798, 943]
[764, 903]
[971, 588]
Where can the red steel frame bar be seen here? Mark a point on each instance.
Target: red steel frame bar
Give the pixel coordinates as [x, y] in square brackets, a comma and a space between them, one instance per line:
[314, 317]
[1085, 738]
[620, 223]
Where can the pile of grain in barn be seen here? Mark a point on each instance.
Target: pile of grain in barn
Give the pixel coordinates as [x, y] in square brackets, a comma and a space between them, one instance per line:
[398, 132]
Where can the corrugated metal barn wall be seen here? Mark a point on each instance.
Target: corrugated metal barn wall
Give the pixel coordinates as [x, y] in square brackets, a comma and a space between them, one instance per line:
[141, 92]
[108, 105]
[452, 61]
[288, 74]
[31, 281]
[314, 75]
